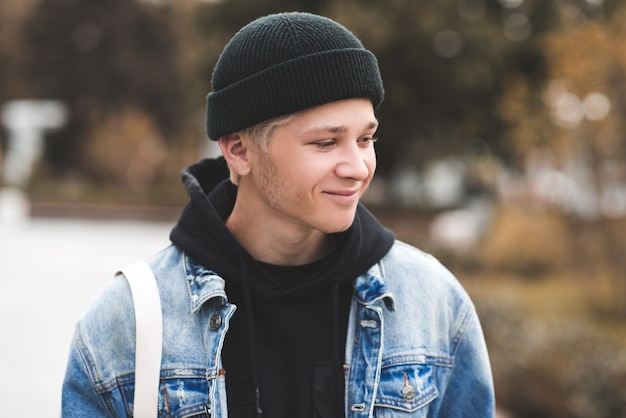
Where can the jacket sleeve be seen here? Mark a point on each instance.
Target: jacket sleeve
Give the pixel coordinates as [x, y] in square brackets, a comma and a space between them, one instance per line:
[470, 390]
[79, 395]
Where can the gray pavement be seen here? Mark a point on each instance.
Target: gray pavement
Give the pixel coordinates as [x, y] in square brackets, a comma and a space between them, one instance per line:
[50, 270]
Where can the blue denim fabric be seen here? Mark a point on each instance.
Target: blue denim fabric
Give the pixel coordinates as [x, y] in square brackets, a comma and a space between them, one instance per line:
[414, 347]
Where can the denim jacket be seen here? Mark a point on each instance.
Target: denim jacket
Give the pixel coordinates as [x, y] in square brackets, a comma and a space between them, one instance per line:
[415, 347]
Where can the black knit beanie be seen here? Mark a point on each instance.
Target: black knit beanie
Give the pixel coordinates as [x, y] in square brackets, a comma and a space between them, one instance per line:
[284, 63]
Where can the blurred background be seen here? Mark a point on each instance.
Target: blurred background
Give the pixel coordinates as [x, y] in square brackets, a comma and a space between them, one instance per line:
[502, 151]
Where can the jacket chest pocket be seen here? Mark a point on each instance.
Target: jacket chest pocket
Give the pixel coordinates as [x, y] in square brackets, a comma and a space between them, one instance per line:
[180, 397]
[405, 390]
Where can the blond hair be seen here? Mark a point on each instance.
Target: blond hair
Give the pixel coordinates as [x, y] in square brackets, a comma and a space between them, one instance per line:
[261, 135]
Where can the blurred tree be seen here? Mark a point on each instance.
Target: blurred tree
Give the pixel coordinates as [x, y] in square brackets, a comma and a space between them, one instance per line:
[131, 159]
[97, 57]
[548, 111]
[11, 16]
[596, 87]
[586, 100]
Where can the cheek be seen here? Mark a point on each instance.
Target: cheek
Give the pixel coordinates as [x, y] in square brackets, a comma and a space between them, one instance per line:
[370, 162]
[307, 168]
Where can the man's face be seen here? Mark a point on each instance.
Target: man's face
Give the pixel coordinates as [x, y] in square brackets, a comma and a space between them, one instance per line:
[316, 167]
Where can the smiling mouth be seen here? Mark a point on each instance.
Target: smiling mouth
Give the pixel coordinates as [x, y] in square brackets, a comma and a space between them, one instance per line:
[343, 196]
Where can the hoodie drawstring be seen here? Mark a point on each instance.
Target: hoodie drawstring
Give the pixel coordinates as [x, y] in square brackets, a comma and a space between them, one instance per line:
[247, 300]
[337, 362]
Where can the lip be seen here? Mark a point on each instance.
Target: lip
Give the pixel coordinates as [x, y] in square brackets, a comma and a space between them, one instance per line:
[344, 197]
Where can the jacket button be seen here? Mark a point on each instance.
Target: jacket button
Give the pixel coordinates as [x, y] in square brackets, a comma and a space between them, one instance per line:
[408, 393]
[215, 321]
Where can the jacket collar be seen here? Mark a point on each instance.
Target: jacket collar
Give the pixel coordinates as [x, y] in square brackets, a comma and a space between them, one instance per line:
[370, 288]
[203, 284]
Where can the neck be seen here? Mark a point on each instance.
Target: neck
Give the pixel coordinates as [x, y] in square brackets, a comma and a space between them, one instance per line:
[278, 242]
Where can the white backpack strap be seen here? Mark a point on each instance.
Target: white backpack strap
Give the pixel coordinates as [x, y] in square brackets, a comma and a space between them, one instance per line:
[149, 334]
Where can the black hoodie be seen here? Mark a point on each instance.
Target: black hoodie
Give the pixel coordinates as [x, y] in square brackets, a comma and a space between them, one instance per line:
[283, 352]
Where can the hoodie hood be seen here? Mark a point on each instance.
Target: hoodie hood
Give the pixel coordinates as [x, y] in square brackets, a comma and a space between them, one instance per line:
[201, 232]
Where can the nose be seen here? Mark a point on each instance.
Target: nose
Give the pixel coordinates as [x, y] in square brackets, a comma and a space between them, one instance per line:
[356, 163]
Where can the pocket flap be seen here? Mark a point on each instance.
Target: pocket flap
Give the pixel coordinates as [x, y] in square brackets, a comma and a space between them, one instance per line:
[406, 387]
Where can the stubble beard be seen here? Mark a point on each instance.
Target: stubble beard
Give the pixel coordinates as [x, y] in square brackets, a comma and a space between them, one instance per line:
[286, 199]
[275, 193]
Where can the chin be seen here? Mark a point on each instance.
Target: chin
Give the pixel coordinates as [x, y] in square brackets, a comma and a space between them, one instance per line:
[337, 227]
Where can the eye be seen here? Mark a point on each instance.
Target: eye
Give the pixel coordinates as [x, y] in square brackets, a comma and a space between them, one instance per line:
[324, 144]
[366, 140]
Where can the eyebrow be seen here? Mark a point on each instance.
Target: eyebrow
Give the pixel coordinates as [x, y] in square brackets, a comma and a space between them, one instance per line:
[336, 129]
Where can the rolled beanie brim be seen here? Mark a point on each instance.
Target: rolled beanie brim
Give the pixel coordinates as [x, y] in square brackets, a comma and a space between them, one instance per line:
[292, 86]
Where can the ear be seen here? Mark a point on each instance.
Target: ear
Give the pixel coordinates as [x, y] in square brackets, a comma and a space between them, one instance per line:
[235, 152]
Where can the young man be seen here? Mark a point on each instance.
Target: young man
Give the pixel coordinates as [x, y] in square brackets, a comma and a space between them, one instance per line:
[281, 295]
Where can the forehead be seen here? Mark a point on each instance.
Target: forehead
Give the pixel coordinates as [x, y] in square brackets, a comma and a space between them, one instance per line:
[336, 117]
